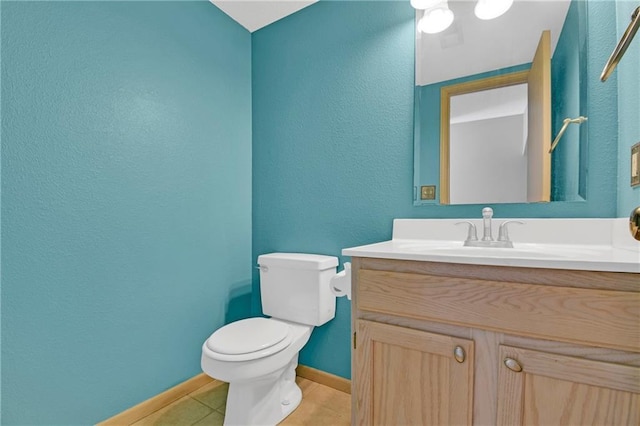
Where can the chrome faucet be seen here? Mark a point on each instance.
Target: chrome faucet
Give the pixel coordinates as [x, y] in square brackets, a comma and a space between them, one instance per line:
[487, 215]
[487, 235]
[503, 233]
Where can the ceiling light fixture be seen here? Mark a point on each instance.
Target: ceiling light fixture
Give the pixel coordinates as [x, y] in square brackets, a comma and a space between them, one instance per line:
[422, 4]
[490, 9]
[437, 16]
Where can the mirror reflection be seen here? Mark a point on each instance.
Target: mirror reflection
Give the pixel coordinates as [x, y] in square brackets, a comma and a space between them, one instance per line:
[491, 95]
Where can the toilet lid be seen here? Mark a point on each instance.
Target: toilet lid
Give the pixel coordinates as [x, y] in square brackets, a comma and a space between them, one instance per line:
[247, 336]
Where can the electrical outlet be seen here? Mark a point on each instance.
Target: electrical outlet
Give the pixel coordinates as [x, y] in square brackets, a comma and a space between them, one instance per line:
[428, 192]
[635, 165]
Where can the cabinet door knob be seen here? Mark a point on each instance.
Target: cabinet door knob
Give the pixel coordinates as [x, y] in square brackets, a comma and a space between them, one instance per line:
[459, 354]
[513, 365]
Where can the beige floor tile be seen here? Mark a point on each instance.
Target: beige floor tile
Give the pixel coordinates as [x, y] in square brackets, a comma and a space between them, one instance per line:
[213, 395]
[306, 385]
[320, 406]
[213, 419]
[185, 411]
[222, 410]
[331, 399]
[310, 414]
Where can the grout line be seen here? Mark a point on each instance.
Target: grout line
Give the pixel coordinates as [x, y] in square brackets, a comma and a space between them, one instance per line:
[157, 402]
[209, 413]
[172, 403]
[220, 383]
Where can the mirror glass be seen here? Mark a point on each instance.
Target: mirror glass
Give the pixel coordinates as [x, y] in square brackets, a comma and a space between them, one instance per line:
[492, 95]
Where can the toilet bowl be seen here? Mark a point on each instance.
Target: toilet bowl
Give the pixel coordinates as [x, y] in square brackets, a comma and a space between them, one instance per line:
[258, 356]
[260, 372]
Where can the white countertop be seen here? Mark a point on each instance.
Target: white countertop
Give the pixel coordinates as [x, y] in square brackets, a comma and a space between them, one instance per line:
[579, 244]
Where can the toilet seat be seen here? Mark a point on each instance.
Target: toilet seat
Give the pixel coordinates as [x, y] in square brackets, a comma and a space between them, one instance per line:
[249, 339]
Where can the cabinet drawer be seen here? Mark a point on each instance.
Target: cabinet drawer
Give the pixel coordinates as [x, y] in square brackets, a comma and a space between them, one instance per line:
[587, 316]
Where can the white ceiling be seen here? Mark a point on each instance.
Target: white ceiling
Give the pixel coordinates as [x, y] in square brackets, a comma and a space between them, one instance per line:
[255, 14]
[472, 46]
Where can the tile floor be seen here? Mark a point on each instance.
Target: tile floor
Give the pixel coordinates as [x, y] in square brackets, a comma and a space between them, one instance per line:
[321, 406]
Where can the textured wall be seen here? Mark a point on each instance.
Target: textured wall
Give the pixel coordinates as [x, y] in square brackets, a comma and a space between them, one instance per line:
[126, 200]
[333, 140]
[126, 180]
[568, 95]
[628, 72]
[332, 110]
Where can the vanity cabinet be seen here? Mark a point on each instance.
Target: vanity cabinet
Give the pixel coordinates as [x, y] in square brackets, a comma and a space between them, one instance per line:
[413, 376]
[553, 389]
[452, 344]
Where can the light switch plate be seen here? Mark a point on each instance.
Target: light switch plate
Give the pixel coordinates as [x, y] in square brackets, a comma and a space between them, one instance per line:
[635, 165]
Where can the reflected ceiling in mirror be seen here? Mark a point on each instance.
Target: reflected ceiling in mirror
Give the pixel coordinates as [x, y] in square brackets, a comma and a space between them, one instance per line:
[473, 49]
[474, 46]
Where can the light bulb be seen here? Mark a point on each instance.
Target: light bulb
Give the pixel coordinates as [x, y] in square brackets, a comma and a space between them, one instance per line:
[490, 9]
[423, 4]
[436, 20]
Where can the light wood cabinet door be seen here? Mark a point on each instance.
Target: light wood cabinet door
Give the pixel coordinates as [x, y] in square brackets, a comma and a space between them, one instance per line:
[553, 389]
[412, 377]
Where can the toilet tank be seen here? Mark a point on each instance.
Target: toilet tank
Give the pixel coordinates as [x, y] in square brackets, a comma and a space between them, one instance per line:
[295, 287]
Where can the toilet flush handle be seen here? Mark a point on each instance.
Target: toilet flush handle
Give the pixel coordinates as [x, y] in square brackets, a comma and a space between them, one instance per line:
[340, 283]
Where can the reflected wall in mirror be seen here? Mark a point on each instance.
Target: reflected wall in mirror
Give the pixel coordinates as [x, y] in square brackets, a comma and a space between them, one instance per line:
[477, 142]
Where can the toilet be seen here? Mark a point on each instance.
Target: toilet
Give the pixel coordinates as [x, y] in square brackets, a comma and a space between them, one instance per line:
[258, 356]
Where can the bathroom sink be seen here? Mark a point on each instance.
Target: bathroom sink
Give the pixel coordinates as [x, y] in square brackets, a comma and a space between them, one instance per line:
[456, 248]
[427, 245]
[542, 252]
[581, 244]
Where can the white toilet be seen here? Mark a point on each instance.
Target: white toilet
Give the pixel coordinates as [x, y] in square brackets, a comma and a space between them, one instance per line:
[258, 356]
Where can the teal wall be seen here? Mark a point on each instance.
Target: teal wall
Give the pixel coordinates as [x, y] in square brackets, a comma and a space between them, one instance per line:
[333, 140]
[126, 200]
[568, 96]
[146, 146]
[628, 82]
[332, 151]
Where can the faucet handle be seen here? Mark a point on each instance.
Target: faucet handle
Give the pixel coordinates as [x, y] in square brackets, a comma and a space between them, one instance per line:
[503, 231]
[472, 234]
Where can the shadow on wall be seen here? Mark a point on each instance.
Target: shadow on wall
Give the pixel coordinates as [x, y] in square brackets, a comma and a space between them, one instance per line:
[239, 305]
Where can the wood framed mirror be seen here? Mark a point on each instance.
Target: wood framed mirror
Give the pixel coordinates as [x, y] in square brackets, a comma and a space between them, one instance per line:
[530, 185]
